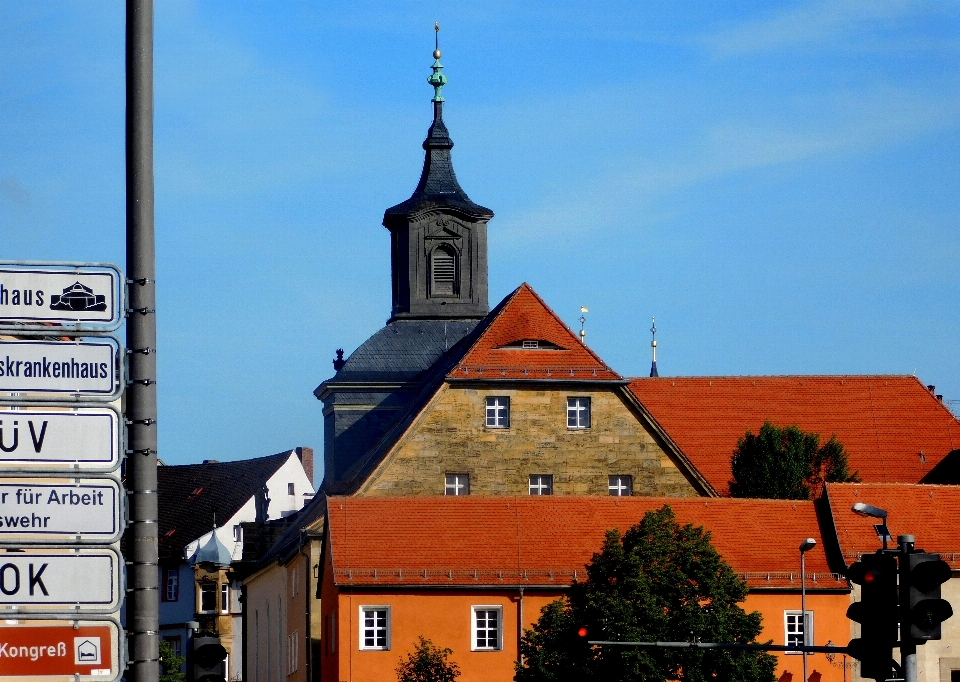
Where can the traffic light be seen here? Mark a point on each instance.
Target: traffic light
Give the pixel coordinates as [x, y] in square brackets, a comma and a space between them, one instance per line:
[922, 609]
[207, 663]
[876, 612]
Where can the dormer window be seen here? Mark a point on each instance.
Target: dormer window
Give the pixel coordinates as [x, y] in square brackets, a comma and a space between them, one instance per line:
[530, 344]
[533, 345]
[443, 272]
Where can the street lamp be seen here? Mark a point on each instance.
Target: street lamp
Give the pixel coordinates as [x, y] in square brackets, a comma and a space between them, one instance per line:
[864, 509]
[805, 547]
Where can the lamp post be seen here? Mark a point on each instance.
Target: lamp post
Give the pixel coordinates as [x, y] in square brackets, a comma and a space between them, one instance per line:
[864, 509]
[805, 547]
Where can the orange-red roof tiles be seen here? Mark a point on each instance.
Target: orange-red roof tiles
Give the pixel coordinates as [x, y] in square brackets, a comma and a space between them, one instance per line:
[884, 422]
[548, 540]
[931, 513]
[525, 317]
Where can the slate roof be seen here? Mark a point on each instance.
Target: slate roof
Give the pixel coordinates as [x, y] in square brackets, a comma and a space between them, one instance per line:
[545, 541]
[307, 522]
[498, 352]
[931, 513]
[438, 186]
[190, 494]
[883, 421]
[402, 351]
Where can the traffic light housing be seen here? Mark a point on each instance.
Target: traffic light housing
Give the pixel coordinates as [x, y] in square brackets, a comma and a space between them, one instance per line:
[921, 608]
[207, 664]
[876, 574]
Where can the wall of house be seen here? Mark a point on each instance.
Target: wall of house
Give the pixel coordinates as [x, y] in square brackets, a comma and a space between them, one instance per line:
[451, 437]
[265, 644]
[830, 624]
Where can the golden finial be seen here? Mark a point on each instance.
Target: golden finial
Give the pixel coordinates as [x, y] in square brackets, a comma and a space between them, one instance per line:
[436, 50]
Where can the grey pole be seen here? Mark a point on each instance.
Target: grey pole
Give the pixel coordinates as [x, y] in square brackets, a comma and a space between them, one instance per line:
[805, 546]
[908, 650]
[143, 617]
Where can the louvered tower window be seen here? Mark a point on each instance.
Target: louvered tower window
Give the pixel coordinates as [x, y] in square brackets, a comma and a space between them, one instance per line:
[444, 272]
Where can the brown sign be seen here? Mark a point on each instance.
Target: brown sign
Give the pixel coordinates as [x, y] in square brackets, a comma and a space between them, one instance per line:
[40, 649]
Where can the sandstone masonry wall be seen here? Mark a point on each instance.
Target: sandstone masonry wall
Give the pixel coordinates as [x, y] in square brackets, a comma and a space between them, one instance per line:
[451, 437]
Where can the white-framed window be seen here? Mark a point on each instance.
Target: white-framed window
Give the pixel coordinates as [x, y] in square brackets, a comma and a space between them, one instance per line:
[238, 533]
[175, 643]
[541, 484]
[293, 652]
[208, 597]
[375, 628]
[291, 489]
[171, 584]
[456, 484]
[578, 413]
[498, 412]
[620, 486]
[486, 628]
[794, 631]
[224, 598]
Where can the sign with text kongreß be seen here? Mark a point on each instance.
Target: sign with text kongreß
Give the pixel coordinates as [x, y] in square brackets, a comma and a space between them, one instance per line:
[54, 651]
[58, 437]
[64, 580]
[57, 297]
[87, 368]
[87, 510]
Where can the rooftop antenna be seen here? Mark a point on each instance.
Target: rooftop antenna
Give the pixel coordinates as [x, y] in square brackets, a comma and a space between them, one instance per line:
[653, 347]
[583, 332]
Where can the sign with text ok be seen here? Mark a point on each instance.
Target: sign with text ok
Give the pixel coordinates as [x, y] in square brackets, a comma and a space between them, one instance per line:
[61, 580]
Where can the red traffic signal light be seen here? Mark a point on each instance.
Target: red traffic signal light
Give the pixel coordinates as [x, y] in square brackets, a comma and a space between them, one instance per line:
[582, 632]
[876, 612]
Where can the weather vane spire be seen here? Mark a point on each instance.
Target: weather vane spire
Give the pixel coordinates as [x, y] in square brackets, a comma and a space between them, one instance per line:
[653, 347]
[437, 79]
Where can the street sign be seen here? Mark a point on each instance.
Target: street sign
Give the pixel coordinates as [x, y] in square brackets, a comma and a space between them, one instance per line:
[78, 296]
[50, 650]
[60, 437]
[60, 580]
[87, 368]
[60, 510]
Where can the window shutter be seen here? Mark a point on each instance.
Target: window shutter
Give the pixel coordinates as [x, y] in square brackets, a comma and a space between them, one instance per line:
[444, 272]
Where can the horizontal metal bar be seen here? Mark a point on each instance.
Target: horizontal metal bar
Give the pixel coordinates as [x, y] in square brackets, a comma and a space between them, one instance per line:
[724, 645]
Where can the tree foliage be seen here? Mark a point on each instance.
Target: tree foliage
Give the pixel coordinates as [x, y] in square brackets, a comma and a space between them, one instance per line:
[660, 581]
[171, 665]
[786, 463]
[427, 663]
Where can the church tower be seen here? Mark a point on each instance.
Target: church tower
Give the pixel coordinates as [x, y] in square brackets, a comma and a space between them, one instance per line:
[438, 237]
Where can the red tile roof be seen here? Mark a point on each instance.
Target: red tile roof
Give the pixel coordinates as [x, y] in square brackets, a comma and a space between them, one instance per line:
[523, 316]
[884, 422]
[548, 540]
[931, 513]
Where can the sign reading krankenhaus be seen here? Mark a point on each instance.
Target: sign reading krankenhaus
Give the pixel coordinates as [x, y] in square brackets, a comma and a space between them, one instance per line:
[75, 296]
[87, 367]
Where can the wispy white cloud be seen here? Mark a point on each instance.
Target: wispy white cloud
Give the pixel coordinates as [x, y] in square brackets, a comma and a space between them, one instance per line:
[831, 22]
[850, 123]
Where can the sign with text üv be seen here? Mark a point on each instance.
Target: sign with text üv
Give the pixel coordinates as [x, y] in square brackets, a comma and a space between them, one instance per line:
[60, 510]
[62, 580]
[59, 437]
[87, 368]
[48, 650]
[75, 296]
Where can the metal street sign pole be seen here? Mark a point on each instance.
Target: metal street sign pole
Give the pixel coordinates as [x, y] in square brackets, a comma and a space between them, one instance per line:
[143, 605]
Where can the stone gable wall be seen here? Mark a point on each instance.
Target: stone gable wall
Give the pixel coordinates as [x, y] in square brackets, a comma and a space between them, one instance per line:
[450, 437]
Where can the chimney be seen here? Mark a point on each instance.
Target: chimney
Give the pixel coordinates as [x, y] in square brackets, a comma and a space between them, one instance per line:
[305, 455]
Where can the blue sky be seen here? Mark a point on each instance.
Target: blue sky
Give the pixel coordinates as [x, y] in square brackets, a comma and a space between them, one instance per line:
[776, 182]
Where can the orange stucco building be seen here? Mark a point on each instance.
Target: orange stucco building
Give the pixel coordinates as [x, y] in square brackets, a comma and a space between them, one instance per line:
[481, 570]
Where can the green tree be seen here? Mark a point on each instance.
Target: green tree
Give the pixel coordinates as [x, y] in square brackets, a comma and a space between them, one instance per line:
[660, 581]
[171, 665]
[786, 463]
[427, 663]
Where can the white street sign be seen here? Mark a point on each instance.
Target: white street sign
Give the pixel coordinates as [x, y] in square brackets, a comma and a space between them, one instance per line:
[83, 438]
[60, 510]
[60, 580]
[87, 368]
[78, 296]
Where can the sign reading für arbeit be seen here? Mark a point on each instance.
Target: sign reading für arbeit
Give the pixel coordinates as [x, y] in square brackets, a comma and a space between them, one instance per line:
[38, 649]
[60, 510]
[76, 296]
